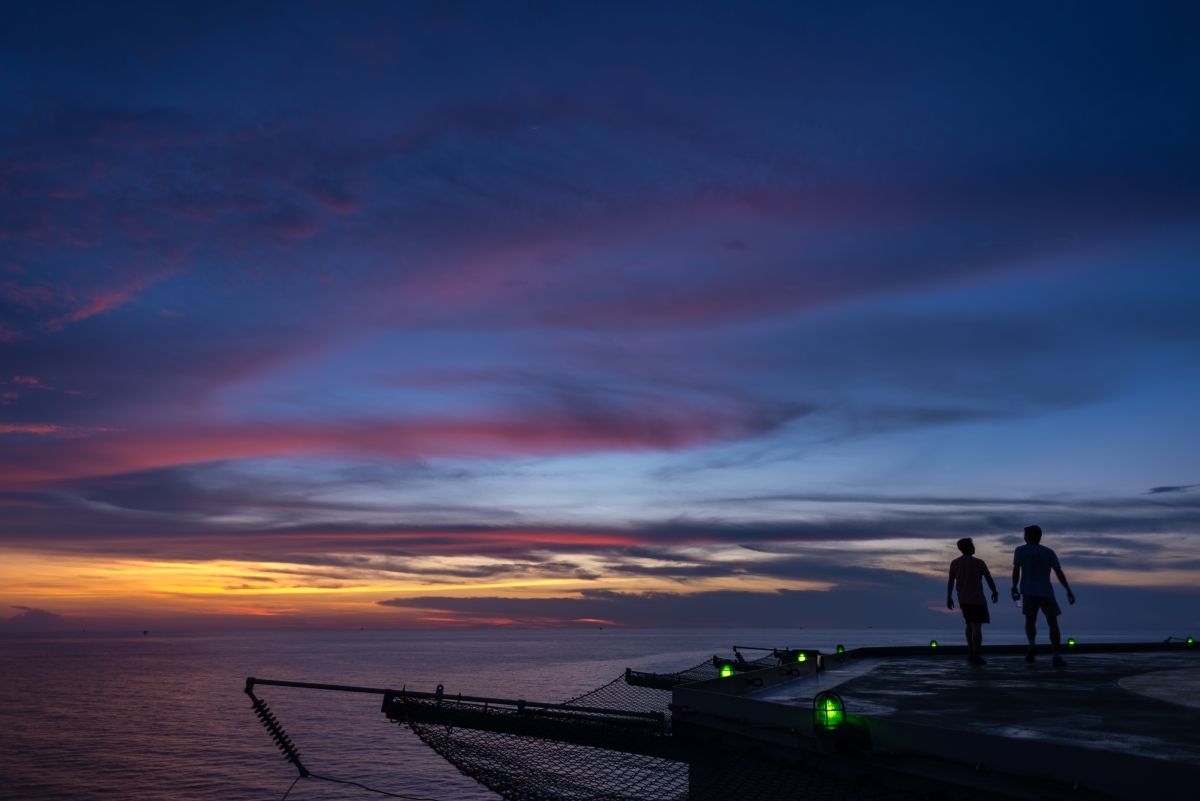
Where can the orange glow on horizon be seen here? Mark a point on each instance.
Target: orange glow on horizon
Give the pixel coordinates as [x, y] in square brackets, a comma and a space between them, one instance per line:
[348, 588]
[88, 586]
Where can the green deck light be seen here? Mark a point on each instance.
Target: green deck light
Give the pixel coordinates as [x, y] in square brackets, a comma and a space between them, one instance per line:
[841, 649]
[802, 657]
[828, 711]
[933, 643]
[1070, 642]
[1191, 641]
[726, 671]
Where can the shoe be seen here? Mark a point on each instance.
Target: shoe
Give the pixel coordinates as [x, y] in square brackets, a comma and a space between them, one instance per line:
[1029, 653]
[1057, 661]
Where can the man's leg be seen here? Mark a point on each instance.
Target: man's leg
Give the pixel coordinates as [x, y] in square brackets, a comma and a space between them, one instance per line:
[977, 641]
[1055, 639]
[970, 644]
[1055, 634]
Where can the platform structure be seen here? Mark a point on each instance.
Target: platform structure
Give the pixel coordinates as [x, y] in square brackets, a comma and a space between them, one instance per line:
[1117, 722]
[920, 722]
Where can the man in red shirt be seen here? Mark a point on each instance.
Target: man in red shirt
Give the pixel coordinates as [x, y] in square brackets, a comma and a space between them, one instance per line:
[966, 575]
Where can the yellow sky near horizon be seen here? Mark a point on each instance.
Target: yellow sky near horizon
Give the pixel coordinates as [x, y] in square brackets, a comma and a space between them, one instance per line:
[351, 586]
[92, 586]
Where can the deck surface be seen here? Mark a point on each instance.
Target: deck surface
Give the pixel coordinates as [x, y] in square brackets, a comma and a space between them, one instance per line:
[1136, 703]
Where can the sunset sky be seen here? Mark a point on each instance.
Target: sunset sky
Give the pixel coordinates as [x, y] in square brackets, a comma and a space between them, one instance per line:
[405, 314]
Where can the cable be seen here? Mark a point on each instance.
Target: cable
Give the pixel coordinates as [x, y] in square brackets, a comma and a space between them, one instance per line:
[353, 784]
[289, 789]
[372, 789]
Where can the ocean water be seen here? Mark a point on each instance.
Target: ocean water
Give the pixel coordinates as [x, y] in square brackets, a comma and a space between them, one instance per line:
[159, 718]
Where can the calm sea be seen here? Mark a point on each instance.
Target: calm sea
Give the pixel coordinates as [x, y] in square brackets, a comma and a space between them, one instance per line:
[164, 717]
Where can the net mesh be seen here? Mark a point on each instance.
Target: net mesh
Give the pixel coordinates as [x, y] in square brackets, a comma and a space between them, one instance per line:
[525, 768]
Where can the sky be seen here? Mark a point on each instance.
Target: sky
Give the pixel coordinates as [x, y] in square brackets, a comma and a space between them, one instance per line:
[398, 315]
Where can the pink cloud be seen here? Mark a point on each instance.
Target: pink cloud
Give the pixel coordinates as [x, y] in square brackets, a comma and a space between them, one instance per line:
[106, 452]
[99, 303]
[287, 224]
[41, 429]
[31, 297]
[615, 268]
[105, 300]
[27, 382]
[432, 540]
[332, 196]
[309, 549]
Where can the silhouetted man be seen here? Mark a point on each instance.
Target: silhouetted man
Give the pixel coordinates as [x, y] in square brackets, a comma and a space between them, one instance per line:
[967, 574]
[1032, 563]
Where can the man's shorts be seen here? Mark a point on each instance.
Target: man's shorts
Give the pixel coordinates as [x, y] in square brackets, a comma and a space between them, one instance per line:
[1045, 603]
[975, 613]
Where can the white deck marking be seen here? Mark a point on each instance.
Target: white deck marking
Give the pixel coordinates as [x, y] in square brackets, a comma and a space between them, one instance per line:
[1173, 686]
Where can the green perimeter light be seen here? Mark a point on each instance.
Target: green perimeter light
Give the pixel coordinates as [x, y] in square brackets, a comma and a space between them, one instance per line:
[933, 643]
[726, 671]
[1191, 641]
[1070, 642]
[803, 657]
[841, 649]
[828, 711]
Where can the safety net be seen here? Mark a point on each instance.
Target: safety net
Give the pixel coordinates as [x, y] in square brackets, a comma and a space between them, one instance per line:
[542, 767]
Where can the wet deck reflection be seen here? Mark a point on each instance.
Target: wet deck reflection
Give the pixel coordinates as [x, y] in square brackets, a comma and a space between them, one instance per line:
[1134, 703]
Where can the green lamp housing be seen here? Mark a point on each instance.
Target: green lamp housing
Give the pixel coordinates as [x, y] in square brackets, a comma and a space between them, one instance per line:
[1070, 642]
[829, 712]
[801, 657]
[841, 649]
[933, 644]
[726, 670]
[1191, 641]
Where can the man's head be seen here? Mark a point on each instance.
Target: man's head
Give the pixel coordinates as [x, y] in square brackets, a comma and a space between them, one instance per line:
[966, 546]
[1033, 534]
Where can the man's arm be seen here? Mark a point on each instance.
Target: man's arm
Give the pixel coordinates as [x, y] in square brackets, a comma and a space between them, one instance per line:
[1062, 579]
[1016, 581]
[987, 574]
[950, 588]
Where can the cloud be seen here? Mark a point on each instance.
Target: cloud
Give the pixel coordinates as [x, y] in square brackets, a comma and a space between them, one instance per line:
[30, 619]
[38, 429]
[103, 301]
[899, 601]
[1169, 489]
[662, 610]
[219, 512]
[52, 430]
[581, 428]
[64, 303]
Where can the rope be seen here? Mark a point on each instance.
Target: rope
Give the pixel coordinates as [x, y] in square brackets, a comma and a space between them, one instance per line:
[371, 789]
[353, 784]
[289, 789]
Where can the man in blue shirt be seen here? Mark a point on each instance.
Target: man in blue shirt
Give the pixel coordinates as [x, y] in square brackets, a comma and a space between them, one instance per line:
[1032, 563]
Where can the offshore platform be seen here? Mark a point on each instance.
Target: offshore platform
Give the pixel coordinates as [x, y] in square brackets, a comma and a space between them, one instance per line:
[1122, 722]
